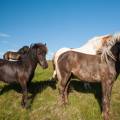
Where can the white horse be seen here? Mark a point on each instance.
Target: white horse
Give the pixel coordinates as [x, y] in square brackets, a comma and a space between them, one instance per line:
[91, 47]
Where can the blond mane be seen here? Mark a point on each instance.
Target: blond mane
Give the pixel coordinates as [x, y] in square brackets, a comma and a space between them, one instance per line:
[106, 50]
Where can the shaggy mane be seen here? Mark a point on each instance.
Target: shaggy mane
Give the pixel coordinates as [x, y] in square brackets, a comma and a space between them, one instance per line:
[106, 50]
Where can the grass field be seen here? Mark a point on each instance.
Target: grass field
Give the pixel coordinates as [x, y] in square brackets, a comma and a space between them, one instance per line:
[44, 98]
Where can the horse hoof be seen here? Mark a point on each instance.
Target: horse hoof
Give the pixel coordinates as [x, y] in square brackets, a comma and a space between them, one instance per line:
[23, 104]
[62, 103]
[26, 106]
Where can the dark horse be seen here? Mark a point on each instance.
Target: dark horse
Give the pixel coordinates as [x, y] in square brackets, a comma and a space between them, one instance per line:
[92, 68]
[22, 71]
[16, 55]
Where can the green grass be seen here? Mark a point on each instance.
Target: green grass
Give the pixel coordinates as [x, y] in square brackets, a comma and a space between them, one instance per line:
[44, 99]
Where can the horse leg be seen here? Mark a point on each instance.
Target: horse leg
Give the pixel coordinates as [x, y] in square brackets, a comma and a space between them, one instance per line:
[1, 91]
[54, 76]
[62, 86]
[106, 92]
[29, 81]
[66, 91]
[87, 86]
[24, 90]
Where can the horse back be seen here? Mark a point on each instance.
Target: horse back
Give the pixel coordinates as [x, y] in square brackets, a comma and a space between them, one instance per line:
[83, 66]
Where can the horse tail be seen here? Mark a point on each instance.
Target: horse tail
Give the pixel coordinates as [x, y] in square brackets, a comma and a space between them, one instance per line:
[54, 76]
[53, 63]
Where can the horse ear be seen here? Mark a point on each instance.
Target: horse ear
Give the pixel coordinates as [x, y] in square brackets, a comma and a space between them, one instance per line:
[45, 44]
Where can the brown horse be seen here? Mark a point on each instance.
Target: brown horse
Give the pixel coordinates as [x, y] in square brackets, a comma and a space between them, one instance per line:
[91, 68]
[16, 55]
[22, 71]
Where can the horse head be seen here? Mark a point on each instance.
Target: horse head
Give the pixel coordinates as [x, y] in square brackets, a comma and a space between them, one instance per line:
[40, 51]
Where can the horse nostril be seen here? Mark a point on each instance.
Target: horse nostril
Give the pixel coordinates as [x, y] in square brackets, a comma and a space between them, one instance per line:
[46, 65]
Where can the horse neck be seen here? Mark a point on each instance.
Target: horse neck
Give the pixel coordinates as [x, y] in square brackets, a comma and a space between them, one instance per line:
[114, 65]
[117, 67]
[31, 60]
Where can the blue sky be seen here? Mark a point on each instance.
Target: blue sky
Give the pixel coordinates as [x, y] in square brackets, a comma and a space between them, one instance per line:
[59, 23]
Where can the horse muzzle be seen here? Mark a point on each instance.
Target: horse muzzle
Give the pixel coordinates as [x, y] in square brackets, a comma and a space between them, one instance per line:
[44, 65]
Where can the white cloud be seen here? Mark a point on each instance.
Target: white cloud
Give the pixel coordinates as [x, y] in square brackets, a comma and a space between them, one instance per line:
[4, 34]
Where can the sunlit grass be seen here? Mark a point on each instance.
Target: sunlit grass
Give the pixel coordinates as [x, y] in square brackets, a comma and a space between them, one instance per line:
[83, 104]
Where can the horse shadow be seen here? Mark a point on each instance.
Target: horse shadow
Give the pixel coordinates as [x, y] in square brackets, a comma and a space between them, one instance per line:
[34, 88]
[39, 86]
[94, 88]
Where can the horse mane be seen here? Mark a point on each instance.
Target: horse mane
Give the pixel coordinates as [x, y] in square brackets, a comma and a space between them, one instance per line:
[105, 51]
[23, 50]
[39, 45]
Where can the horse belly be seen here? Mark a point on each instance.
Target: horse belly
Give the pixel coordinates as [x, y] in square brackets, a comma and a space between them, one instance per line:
[88, 75]
[8, 75]
[10, 79]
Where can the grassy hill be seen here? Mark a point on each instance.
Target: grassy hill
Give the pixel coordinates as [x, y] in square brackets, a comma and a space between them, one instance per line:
[44, 98]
